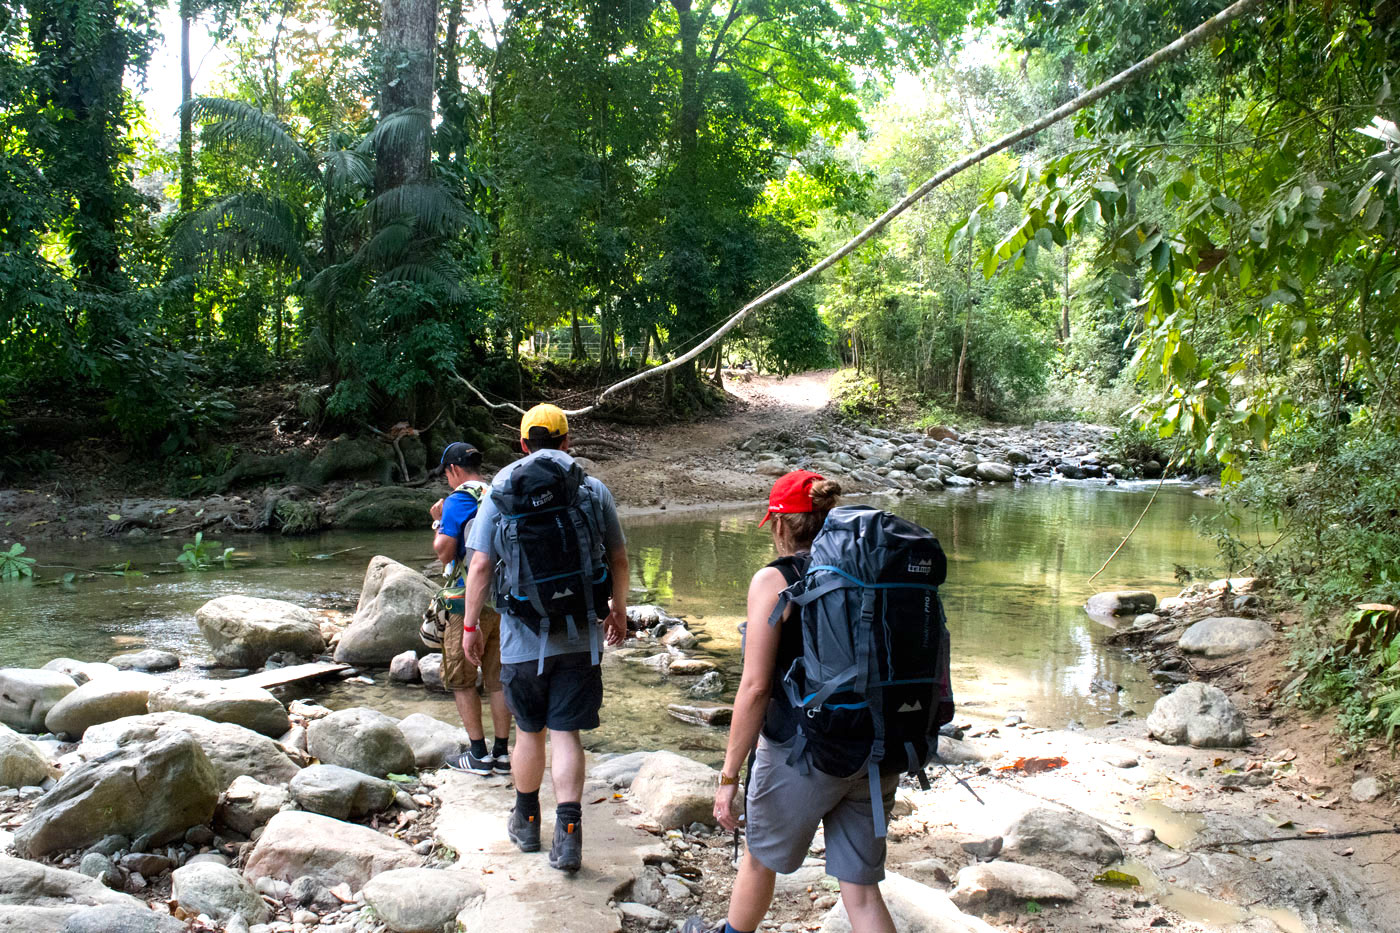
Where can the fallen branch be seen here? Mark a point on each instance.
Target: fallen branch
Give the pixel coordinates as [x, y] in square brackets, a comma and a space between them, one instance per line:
[1302, 837]
[1130, 530]
[1182, 44]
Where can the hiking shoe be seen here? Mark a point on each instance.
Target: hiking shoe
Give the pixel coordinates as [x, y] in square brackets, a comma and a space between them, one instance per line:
[466, 761]
[524, 831]
[567, 852]
[501, 763]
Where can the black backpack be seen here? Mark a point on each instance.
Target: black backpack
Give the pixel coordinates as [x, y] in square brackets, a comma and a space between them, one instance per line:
[551, 563]
[873, 683]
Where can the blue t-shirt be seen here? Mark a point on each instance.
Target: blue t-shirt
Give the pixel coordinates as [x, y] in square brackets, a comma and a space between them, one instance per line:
[457, 510]
[518, 643]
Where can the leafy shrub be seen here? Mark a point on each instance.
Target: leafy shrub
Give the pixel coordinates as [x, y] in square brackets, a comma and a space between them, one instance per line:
[861, 398]
[13, 566]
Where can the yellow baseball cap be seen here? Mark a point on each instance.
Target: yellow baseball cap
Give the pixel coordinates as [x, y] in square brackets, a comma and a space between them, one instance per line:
[549, 420]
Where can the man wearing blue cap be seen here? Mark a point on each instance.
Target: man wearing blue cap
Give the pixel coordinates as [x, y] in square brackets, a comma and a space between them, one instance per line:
[461, 467]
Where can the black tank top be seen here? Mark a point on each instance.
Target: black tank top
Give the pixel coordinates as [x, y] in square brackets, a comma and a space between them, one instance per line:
[780, 722]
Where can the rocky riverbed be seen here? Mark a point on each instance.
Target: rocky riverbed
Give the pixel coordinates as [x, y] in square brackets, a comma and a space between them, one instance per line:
[133, 802]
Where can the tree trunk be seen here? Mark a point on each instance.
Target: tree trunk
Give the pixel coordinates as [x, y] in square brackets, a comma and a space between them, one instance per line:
[962, 357]
[186, 129]
[689, 294]
[450, 89]
[407, 39]
[579, 351]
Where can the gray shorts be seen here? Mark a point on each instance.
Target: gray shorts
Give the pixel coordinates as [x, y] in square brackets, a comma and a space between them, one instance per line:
[784, 808]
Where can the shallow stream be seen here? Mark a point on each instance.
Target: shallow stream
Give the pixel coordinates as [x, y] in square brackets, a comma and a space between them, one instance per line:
[1019, 563]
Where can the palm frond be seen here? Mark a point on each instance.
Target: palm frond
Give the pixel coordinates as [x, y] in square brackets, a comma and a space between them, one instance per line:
[406, 128]
[240, 123]
[345, 168]
[435, 270]
[237, 227]
[429, 206]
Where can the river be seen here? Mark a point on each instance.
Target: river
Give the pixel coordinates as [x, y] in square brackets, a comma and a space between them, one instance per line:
[1019, 563]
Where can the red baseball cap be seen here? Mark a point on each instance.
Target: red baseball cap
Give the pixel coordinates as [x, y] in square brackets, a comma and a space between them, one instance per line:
[791, 493]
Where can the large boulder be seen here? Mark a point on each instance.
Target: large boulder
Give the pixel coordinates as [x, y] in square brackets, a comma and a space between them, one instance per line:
[80, 671]
[383, 507]
[1043, 831]
[33, 884]
[98, 701]
[294, 844]
[995, 472]
[244, 630]
[219, 892]
[420, 900]
[122, 918]
[990, 885]
[1199, 715]
[1110, 605]
[392, 601]
[27, 696]
[915, 908]
[151, 660]
[248, 804]
[432, 740]
[340, 793]
[232, 750]
[224, 701]
[1221, 636]
[361, 739]
[160, 789]
[675, 791]
[21, 761]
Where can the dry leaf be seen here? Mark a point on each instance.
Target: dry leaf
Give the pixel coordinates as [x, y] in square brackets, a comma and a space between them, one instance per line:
[1314, 832]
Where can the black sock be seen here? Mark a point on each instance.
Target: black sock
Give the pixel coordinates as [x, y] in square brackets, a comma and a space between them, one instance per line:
[479, 748]
[569, 813]
[498, 748]
[528, 804]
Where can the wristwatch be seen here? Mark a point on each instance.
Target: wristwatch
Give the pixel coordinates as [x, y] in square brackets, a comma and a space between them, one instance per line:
[726, 780]
[437, 523]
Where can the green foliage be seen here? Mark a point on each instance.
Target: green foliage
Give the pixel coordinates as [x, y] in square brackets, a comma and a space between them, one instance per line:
[201, 555]
[13, 565]
[1357, 671]
[862, 399]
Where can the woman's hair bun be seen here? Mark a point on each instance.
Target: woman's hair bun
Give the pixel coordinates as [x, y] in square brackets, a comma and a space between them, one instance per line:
[824, 495]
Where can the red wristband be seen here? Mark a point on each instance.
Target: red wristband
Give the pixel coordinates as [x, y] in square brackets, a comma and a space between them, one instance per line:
[469, 628]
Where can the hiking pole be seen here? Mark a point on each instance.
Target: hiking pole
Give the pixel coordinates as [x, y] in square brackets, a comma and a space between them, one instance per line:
[965, 784]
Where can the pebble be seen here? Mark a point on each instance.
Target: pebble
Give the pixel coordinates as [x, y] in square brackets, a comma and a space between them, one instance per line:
[1143, 835]
[306, 916]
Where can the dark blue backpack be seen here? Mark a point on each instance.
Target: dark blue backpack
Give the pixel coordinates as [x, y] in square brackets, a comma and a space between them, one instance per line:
[551, 561]
[873, 683]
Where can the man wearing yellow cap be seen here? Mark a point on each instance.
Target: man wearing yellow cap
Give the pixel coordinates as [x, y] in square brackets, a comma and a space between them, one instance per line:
[549, 539]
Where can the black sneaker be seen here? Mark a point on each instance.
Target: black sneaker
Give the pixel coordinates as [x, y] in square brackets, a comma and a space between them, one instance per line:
[567, 852]
[466, 761]
[524, 831]
[501, 763]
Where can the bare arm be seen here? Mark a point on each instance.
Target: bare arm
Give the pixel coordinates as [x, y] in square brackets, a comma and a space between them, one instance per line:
[755, 686]
[445, 547]
[478, 582]
[620, 569]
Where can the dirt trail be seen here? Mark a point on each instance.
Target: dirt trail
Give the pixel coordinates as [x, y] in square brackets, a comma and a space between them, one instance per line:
[689, 464]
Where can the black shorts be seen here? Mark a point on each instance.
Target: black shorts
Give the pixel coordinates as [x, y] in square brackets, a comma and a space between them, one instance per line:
[565, 698]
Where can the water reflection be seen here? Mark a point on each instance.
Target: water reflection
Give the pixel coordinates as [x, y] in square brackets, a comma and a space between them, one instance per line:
[1019, 563]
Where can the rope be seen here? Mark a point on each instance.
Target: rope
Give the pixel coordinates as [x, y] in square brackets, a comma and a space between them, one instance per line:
[1182, 44]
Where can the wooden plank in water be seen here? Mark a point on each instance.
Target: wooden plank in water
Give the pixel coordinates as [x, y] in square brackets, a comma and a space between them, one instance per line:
[281, 676]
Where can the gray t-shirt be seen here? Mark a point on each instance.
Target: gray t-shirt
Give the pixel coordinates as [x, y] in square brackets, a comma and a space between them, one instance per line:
[518, 643]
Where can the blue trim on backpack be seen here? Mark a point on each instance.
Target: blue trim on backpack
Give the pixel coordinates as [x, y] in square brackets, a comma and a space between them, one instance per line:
[872, 586]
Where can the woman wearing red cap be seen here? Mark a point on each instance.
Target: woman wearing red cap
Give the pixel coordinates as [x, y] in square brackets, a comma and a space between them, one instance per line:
[784, 807]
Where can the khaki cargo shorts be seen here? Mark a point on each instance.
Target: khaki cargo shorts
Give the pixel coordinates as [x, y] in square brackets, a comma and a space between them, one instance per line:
[460, 674]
